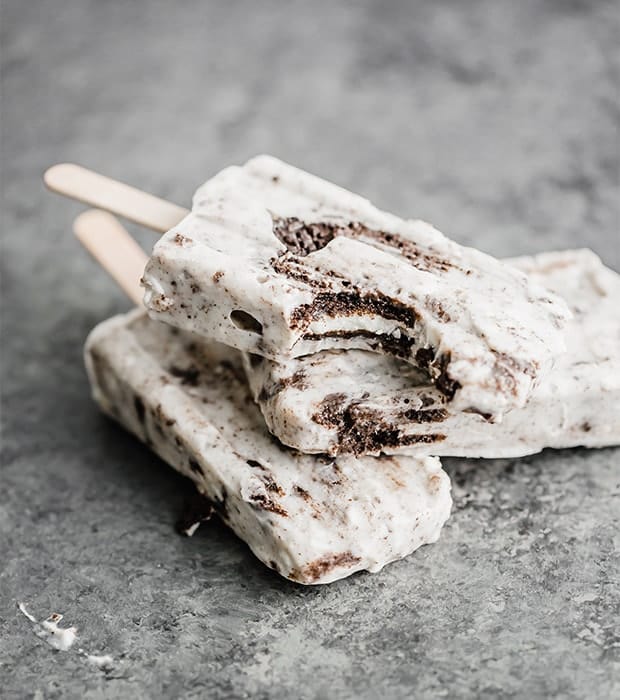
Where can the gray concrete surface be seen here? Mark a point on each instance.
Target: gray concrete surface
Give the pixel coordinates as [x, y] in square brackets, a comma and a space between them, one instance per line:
[498, 121]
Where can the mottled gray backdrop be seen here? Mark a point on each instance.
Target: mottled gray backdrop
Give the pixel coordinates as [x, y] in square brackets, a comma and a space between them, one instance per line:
[497, 121]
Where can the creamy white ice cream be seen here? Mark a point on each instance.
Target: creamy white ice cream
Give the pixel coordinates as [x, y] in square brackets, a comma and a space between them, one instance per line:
[357, 401]
[312, 519]
[280, 263]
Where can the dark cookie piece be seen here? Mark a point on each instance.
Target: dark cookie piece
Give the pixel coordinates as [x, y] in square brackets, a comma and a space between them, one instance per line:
[303, 237]
[197, 509]
[365, 430]
[317, 569]
[189, 376]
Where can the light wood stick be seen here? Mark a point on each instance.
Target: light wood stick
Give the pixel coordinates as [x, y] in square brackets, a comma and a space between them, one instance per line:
[109, 242]
[105, 193]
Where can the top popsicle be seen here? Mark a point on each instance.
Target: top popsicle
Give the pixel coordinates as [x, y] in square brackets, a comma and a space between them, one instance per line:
[275, 261]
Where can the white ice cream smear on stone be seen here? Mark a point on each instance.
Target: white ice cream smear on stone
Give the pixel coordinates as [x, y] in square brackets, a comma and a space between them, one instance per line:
[63, 638]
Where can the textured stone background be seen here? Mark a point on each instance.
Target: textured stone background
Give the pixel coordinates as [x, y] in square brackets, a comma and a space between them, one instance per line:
[496, 120]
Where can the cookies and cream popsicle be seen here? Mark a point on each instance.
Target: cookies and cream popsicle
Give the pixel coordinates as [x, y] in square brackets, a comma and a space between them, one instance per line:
[280, 263]
[312, 519]
[361, 402]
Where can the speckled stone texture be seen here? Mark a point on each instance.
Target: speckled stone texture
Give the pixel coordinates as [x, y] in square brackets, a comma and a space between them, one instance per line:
[497, 121]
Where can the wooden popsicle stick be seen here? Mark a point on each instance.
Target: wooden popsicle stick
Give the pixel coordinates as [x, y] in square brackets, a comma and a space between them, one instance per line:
[105, 193]
[109, 242]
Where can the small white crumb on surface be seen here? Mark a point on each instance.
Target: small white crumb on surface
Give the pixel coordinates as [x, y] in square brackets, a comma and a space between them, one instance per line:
[101, 661]
[22, 609]
[63, 638]
[192, 529]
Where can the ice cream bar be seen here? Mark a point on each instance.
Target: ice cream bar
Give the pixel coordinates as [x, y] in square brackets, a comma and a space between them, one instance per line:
[337, 402]
[312, 519]
[280, 263]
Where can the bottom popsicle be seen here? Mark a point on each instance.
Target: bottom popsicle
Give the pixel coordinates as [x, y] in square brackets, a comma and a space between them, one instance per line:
[356, 401]
[312, 519]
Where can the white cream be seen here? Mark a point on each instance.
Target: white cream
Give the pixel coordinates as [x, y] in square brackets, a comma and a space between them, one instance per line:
[63, 638]
[102, 661]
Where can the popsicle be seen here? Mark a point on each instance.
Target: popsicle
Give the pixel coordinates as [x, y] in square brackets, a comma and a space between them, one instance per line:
[555, 418]
[280, 263]
[312, 519]
[359, 402]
